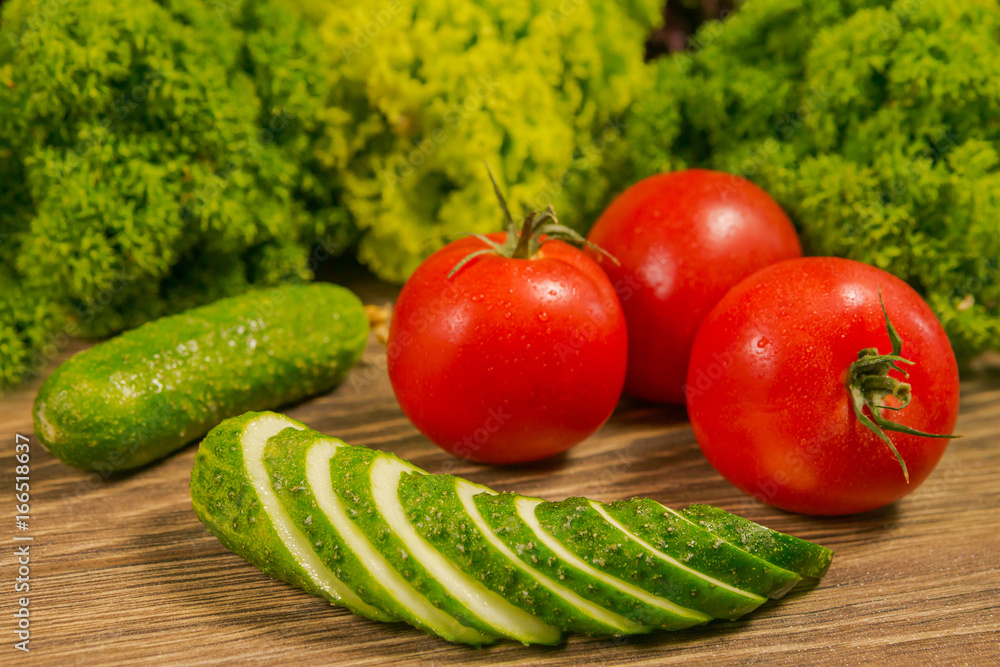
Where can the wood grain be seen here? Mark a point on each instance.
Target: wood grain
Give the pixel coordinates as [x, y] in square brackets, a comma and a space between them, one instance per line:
[124, 574]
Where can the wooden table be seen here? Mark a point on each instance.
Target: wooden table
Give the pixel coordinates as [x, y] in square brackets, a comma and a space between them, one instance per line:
[122, 572]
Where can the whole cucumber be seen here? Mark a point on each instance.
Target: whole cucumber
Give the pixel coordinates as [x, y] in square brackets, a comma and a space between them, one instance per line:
[144, 394]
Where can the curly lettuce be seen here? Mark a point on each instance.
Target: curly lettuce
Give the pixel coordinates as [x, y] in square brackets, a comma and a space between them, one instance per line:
[153, 156]
[423, 92]
[876, 124]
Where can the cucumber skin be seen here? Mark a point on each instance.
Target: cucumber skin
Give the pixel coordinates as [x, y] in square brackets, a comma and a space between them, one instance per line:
[285, 461]
[791, 553]
[710, 554]
[580, 528]
[499, 513]
[454, 535]
[350, 470]
[101, 409]
[225, 501]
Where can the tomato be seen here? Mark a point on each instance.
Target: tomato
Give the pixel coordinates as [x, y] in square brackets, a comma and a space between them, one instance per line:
[508, 359]
[682, 240]
[769, 393]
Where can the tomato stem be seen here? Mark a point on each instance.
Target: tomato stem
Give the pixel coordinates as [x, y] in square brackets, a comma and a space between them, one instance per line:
[869, 384]
[523, 248]
[538, 228]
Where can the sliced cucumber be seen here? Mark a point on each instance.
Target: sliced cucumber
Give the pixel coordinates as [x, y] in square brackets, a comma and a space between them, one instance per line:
[298, 463]
[491, 609]
[791, 553]
[441, 508]
[595, 536]
[350, 471]
[527, 511]
[371, 532]
[676, 536]
[501, 514]
[232, 496]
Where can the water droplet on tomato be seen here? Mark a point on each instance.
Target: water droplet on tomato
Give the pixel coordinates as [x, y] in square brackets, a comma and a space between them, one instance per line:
[763, 342]
[543, 316]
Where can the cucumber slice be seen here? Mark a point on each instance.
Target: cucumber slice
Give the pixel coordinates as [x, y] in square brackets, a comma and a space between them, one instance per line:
[675, 535]
[502, 514]
[232, 496]
[369, 531]
[527, 509]
[298, 464]
[591, 533]
[350, 472]
[491, 609]
[442, 510]
[791, 553]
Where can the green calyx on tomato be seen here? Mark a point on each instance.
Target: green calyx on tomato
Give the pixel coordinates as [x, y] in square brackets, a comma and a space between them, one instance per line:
[538, 228]
[869, 384]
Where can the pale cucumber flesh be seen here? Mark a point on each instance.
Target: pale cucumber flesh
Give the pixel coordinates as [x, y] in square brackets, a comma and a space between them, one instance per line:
[442, 510]
[742, 600]
[372, 532]
[500, 615]
[792, 553]
[254, 440]
[675, 535]
[299, 468]
[526, 510]
[350, 471]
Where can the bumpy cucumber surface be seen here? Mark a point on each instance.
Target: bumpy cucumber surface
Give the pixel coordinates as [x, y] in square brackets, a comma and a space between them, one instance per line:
[604, 544]
[511, 519]
[299, 465]
[675, 535]
[792, 553]
[443, 510]
[148, 392]
[370, 531]
[234, 498]
[479, 607]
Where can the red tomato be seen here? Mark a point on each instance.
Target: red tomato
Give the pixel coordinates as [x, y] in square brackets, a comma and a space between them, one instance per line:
[683, 239]
[508, 360]
[768, 393]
